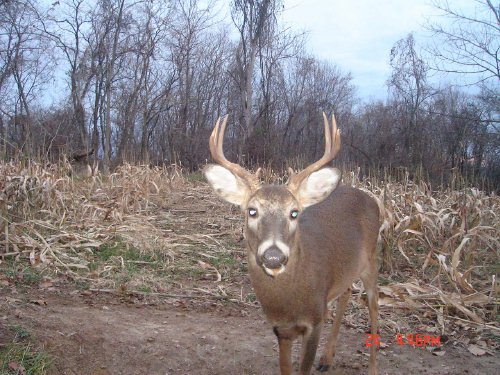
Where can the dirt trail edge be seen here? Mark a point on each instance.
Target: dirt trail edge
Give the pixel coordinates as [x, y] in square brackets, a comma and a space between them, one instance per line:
[105, 334]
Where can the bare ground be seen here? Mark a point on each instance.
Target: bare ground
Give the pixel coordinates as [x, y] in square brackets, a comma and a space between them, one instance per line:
[101, 333]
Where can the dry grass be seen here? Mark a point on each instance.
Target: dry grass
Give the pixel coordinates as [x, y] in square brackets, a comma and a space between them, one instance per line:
[440, 249]
[442, 246]
[51, 217]
[140, 228]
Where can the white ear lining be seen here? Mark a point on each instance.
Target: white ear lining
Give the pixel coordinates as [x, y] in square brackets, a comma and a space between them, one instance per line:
[220, 178]
[318, 186]
[323, 179]
[227, 185]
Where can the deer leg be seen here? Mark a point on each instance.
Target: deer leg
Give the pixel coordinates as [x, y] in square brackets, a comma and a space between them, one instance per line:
[370, 282]
[326, 359]
[310, 342]
[285, 342]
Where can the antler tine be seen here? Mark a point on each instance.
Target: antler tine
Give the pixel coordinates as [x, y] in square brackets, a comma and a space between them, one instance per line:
[328, 135]
[336, 137]
[220, 136]
[332, 147]
[215, 142]
[216, 149]
[212, 142]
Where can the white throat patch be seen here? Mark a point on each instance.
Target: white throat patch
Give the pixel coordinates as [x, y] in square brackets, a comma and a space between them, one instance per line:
[274, 273]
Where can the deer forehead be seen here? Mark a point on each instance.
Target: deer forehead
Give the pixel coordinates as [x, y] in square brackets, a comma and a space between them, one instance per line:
[273, 198]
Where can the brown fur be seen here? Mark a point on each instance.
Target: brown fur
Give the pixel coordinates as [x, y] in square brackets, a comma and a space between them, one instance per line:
[333, 245]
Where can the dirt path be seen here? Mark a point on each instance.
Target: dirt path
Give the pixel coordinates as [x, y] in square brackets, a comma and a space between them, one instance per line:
[104, 334]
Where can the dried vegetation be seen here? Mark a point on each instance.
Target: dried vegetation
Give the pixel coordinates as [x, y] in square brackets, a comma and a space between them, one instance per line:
[444, 245]
[157, 231]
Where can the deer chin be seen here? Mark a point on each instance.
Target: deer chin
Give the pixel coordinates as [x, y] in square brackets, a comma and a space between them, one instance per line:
[273, 272]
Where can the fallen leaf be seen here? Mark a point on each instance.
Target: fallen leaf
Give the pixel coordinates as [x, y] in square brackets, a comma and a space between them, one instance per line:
[482, 343]
[46, 284]
[453, 300]
[207, 266]
[204, 265]
[439, 353]
[476, 350]
[14, 366]
[33, 259]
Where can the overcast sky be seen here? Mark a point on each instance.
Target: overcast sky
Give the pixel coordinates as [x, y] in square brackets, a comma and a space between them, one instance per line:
[358, 35]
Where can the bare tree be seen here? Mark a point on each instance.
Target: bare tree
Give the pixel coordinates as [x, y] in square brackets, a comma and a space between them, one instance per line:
[95, 58]
[255, 21]
[67, 25]
[146, 80]
[410, 89]
[187, 41]
[117, 13]
[143, 87]
[24, 68]
[470, 43]
[304, 85]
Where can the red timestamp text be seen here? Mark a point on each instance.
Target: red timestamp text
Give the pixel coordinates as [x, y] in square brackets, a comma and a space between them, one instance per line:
[418, 339]
[414, 339]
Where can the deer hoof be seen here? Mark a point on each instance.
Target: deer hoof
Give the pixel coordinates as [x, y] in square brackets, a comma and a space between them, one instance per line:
[322, 368]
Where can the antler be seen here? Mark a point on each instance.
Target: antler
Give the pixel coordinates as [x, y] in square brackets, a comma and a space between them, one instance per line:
[216, 143]
[332, 147]
[78, 156]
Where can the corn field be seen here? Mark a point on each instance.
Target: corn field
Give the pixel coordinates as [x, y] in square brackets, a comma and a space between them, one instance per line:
[439, 250]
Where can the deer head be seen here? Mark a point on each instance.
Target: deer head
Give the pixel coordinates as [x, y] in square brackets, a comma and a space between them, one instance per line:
[272, 211]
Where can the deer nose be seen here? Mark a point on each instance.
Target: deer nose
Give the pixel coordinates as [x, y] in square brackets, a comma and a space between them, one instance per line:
[273, 258]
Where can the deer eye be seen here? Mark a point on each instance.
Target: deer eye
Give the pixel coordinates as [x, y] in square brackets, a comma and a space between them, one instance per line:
[294, 214]
[252, 212]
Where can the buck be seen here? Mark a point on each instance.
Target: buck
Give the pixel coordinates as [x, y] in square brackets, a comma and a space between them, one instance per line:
[307, 242]
[79, 165]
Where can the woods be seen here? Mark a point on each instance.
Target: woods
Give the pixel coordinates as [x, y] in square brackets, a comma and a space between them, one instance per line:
[144, 82]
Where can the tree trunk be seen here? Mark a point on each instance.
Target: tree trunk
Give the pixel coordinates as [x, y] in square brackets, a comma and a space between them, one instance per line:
[109, 78]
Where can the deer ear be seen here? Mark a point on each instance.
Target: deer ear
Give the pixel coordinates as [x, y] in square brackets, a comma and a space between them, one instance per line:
[226, 184]
[318, 186]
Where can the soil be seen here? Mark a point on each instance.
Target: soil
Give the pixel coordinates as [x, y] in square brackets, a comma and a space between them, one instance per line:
[103, 333]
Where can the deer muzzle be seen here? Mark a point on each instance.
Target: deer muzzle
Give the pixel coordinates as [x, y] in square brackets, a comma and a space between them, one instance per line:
[274, 261]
